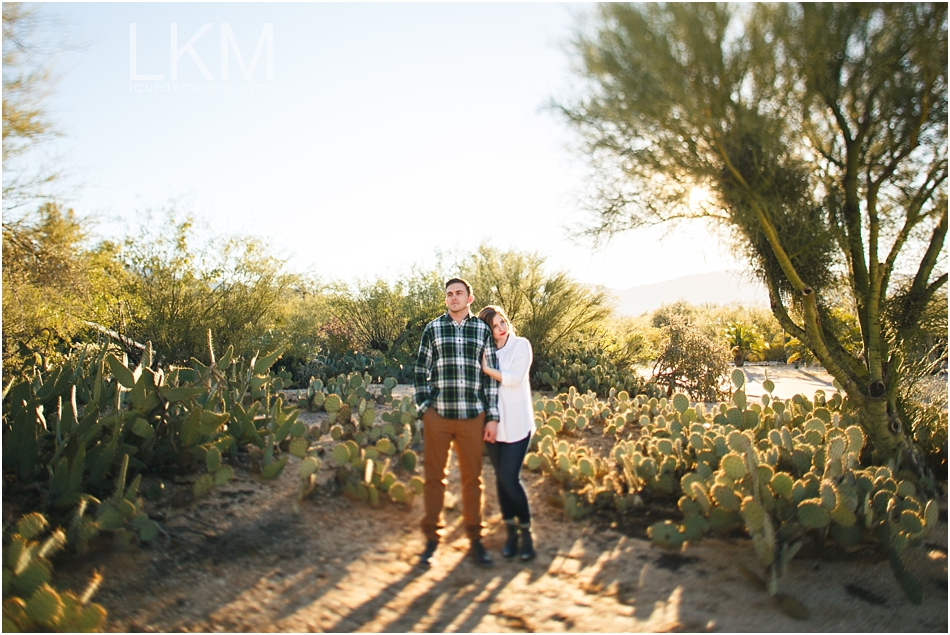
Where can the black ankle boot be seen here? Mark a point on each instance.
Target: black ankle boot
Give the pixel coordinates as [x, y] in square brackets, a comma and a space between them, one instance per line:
[527, 543]
[510, 550]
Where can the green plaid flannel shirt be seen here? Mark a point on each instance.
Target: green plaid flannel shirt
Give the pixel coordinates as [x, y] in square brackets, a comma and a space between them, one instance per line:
[448, 373]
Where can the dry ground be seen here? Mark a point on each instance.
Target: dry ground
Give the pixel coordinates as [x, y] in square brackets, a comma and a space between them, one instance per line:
[244, 559]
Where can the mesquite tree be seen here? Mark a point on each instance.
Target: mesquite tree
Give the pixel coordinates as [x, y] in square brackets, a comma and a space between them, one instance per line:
[818, 134]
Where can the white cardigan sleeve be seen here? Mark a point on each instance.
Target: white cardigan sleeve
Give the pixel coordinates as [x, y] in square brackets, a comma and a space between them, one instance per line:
[519, 364]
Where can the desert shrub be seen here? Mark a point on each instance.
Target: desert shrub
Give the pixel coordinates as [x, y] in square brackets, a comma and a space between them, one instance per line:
[178, 291]
[663, 316]
[54, 283]
[299, 322]
[759, 334]
[387, 317]
[548, 308]
[691, 362]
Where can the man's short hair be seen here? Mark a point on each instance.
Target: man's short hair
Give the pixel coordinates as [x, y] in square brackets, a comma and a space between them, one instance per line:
[468, 287]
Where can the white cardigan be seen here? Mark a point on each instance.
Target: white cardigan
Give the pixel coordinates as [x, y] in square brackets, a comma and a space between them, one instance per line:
[514, 393]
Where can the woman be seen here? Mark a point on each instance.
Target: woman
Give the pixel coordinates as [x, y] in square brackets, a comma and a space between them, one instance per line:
[507, 443]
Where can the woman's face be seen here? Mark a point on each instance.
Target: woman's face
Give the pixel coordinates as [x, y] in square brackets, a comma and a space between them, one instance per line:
[499, 327]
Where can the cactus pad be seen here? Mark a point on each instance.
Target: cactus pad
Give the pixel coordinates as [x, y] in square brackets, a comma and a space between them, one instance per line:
[812, 515]
[341, 455]
[725, 497]
[738, 378]
[666, 534]
[753, 514]
[911, 522]
[332, 404]
[298, 447]
[733, 465]
[781, 485]
[906, 488]
[31, 525]
[308, 466]
[44, 606]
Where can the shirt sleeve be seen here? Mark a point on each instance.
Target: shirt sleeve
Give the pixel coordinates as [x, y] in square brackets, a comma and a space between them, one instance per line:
[520, 364]
[490, 385]
[420, 380]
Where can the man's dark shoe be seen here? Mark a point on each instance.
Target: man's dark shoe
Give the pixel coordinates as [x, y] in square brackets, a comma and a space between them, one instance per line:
[510, 549]
[426, 556]
[479, 555]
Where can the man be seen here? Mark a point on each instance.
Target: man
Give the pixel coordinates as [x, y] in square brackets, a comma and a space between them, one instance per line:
[455, 398]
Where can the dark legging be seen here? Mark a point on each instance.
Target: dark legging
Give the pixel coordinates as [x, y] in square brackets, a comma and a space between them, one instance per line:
[507, 458]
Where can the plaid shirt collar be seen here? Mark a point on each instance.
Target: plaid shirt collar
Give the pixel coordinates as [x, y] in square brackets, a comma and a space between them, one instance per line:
[470, 316]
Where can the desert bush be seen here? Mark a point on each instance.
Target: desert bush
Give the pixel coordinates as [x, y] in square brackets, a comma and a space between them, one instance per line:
[54, 283]
[388, 317]
[691, 362]
[179, 290]
[548, 308]
[301, 322]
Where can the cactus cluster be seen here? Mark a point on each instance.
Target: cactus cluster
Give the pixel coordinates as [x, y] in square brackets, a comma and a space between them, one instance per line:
[372, 446]
[366, 473]
[377, 365]
[782, 470]
[595, 373]
[135, 419]
[30, 603]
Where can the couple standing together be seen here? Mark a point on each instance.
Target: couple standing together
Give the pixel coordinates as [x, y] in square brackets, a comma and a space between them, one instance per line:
[472, 391]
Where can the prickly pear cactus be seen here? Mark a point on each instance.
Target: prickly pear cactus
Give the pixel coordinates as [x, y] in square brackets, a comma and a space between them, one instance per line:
[781, 470]
[30, 603]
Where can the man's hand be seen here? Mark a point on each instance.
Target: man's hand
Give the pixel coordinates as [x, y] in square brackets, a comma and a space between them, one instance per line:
[491, 431]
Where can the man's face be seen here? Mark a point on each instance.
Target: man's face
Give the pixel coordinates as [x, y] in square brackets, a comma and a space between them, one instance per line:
[457, 298]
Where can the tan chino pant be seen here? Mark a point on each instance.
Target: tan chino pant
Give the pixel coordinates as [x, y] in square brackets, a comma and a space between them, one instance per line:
[466, 436]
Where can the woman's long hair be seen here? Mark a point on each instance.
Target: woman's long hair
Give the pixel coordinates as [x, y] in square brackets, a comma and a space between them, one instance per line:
[487, 315]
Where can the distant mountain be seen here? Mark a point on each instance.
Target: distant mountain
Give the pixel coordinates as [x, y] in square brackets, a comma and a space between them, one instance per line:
[720, 287]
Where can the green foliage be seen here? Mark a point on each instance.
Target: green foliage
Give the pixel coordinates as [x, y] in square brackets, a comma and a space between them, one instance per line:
[30, 603]
[744, 341]
[379, 315]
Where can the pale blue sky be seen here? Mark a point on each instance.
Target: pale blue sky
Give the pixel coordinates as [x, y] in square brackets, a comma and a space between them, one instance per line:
[388, 130]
